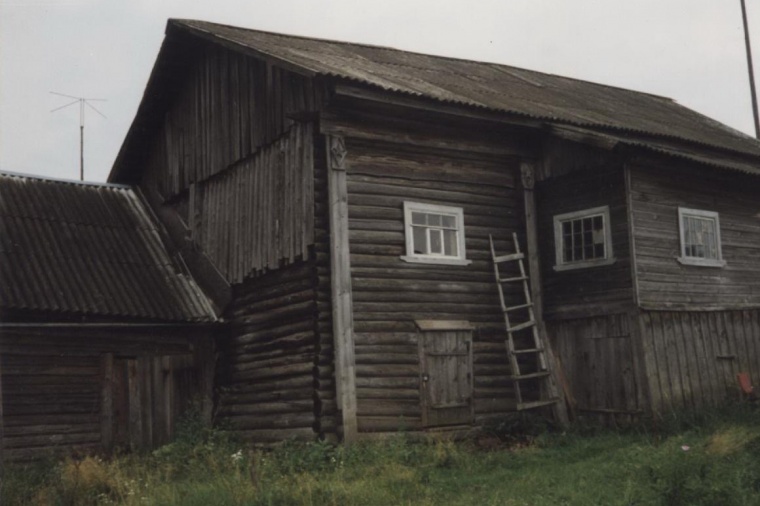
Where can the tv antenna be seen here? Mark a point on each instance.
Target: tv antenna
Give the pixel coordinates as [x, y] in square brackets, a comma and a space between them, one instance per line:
[82, 101]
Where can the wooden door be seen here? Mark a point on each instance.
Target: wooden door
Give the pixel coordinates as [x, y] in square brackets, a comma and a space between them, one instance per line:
[446, 377]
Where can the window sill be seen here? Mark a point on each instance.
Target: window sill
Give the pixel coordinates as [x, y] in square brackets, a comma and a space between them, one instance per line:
[435, 260]
[585, 265]
[701, 262]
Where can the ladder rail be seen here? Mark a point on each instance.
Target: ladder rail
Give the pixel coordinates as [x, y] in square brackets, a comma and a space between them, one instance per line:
[537, 348]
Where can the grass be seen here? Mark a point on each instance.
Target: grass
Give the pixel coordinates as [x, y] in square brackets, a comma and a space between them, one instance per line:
[710, 460]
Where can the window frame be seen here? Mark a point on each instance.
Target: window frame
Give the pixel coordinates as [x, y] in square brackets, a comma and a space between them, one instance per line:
[428, 258]
[559, 260]
[696, 261]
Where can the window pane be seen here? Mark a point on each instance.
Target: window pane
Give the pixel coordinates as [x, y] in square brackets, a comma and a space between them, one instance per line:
[420, 240]
[599, 250]
[450, 243]
[700, 237]
[449, 221]
[434, 220]
[567, 228]
[436, 241]
[418, 218]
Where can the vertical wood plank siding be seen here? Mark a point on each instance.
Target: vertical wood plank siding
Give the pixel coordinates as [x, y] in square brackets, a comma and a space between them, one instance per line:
[389, 294]
[656, 194]
[586, 291]
[267, 367]
[260, 213]
[228, 107]
[600, 363]
[693, 357]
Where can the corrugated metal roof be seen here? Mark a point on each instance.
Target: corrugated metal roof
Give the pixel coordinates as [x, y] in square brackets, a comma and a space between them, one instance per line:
[88, 249]
[486, 85]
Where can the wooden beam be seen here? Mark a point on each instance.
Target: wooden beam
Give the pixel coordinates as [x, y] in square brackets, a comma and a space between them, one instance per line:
[2, 431]
[106, 402]
[205, 360]
[527, 170]
[340, 277]
[135, 406]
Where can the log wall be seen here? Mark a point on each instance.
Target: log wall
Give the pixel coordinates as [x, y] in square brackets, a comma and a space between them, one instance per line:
[260, 213]
[692, 358]
[51, 404]
[586, 291]
[266, 370]
[656, 194]
[227, 108]
[390, 294]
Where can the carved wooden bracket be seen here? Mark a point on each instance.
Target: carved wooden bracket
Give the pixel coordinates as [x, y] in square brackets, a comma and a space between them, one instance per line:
[528, 176]
[337, 153]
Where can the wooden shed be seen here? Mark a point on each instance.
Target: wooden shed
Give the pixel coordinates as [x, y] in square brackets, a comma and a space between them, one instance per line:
[336, 201]
[103, 337]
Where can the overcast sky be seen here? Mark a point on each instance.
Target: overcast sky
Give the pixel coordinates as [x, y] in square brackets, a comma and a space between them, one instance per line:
[689, 50]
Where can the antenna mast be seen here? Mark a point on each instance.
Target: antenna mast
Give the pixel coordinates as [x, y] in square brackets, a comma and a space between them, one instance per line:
[82, 101]
[751, 71]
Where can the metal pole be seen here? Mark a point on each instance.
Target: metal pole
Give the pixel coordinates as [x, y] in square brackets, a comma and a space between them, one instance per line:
[751, 71]
[81, 139]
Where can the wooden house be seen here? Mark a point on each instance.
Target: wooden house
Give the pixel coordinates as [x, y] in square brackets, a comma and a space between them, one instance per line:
[336, 200]
[103, 336]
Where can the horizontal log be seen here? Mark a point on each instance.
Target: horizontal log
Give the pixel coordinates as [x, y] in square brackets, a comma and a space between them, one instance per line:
[388, 423]
[265, 408]
[388, 407]
[391, 370]
[277, 435]
[50, 440]
[388, 393]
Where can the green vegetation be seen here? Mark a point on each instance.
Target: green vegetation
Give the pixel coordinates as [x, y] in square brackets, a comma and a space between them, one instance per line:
[711, 460]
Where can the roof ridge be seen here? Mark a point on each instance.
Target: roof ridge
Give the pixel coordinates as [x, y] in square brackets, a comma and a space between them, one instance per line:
[8, 173]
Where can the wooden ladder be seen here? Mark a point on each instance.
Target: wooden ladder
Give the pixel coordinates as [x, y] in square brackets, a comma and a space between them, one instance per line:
[541, 376]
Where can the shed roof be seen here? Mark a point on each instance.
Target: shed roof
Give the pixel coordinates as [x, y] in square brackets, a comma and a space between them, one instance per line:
[485, 85]
[86, 249]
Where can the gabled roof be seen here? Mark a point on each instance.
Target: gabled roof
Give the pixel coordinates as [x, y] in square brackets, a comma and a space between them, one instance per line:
[646, 120]
[70, 249]
[484, 85]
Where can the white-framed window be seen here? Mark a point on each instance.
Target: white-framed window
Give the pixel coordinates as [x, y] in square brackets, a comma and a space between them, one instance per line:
[583, 239]
[700, 238]
[434, 234]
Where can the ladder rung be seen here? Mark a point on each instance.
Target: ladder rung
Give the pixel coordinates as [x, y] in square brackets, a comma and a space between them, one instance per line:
[533, 375]
[521, 326]
[527, 350]
[512, 280]
[521, 306]
[536, 404]
[508, 258]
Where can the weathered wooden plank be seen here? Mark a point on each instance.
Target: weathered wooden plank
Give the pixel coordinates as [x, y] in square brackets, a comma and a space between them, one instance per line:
[106, 402]
[343, 328]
